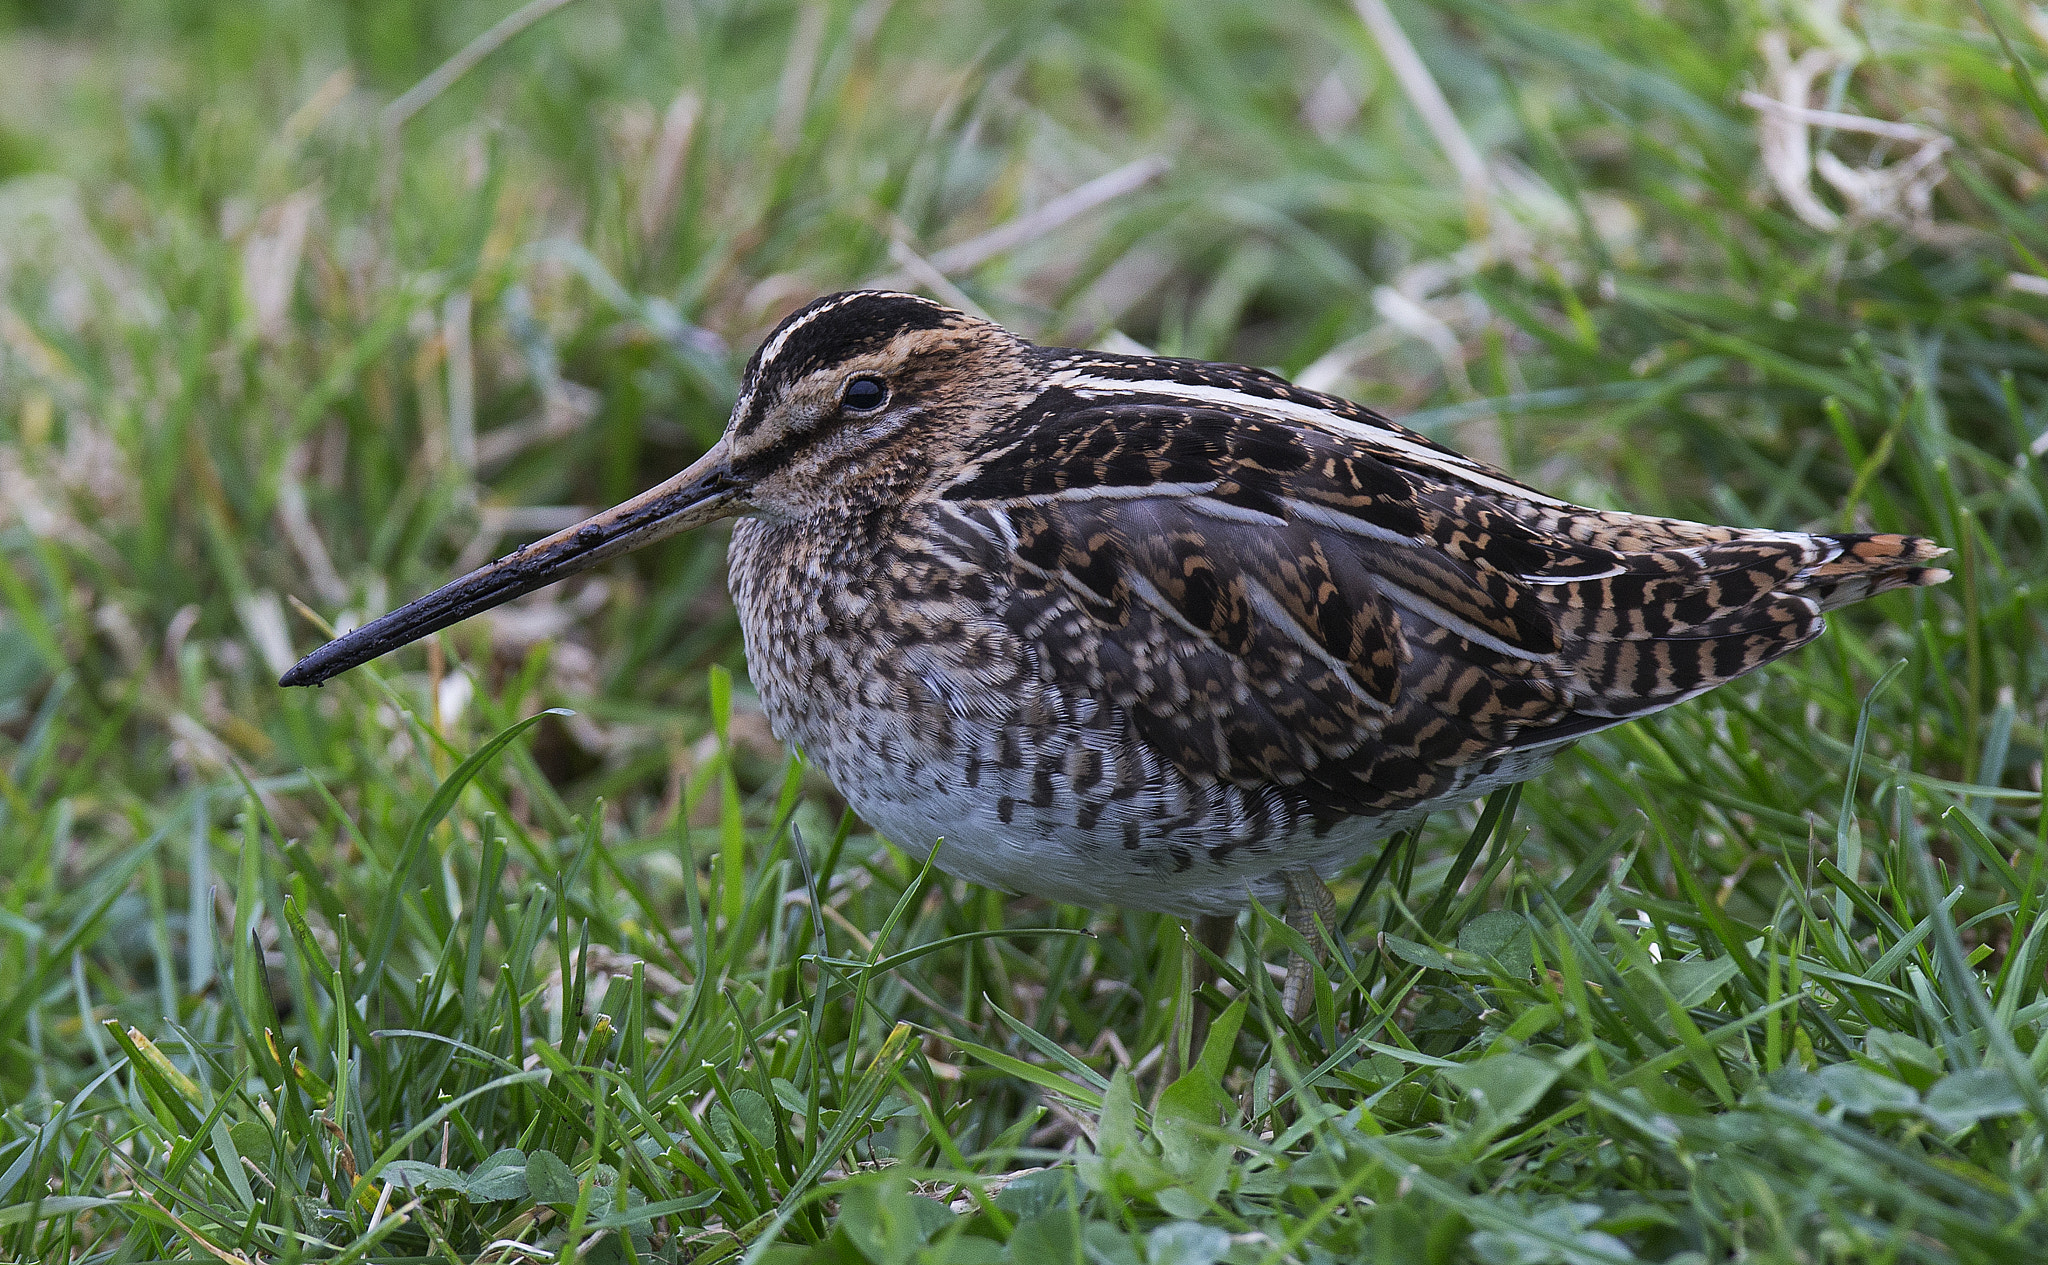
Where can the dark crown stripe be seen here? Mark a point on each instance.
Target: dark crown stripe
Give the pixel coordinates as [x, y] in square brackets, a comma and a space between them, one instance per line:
[830, 331]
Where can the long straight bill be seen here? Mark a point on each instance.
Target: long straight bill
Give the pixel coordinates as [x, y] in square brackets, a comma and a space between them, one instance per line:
[700, 494]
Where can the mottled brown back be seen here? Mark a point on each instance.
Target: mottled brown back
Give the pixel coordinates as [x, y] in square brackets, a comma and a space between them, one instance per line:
[1344, 608]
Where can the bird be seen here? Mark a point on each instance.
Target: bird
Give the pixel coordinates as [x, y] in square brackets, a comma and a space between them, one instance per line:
[1162, 633]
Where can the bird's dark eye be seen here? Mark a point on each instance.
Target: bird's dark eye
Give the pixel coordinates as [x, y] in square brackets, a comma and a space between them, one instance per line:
[864, 395]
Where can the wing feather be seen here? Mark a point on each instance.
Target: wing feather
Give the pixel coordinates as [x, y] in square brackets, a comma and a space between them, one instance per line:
[1274, 602]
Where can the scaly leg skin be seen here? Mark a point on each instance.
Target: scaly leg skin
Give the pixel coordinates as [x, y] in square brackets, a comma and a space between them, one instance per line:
[1308, 899]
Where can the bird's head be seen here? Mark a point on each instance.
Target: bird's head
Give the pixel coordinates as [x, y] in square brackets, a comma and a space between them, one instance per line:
[863, 387]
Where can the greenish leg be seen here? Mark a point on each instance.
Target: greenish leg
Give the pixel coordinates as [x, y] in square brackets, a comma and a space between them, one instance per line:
[1308, 901]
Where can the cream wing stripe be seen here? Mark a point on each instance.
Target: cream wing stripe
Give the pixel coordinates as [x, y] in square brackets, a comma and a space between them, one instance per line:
[1348, 524]
[1271, 610]
[1088, 385]
[1402, 596]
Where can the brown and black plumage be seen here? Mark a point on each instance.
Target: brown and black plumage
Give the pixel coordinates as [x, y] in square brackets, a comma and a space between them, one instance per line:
[1156, 633]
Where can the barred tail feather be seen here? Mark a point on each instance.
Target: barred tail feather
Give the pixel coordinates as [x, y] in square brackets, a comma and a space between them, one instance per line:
[1866, 564]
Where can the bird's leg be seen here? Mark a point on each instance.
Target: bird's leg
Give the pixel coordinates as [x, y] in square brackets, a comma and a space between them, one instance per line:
[1213, 932]
[1308, 899]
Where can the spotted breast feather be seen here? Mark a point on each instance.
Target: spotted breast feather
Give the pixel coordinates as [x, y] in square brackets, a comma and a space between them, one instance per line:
[1283, 588]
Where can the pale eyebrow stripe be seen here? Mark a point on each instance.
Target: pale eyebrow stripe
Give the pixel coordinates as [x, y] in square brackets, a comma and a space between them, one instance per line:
[774, 347]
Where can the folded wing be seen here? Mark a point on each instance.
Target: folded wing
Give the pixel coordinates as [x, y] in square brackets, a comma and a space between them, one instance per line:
[1274, 601]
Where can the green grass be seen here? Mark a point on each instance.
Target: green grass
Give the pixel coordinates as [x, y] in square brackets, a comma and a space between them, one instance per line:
[413, 968]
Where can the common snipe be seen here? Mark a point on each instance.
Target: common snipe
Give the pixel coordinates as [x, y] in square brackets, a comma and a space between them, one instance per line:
[1155, 633]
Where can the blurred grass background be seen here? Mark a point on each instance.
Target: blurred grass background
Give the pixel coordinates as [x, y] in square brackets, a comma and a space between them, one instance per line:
[294, 324]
